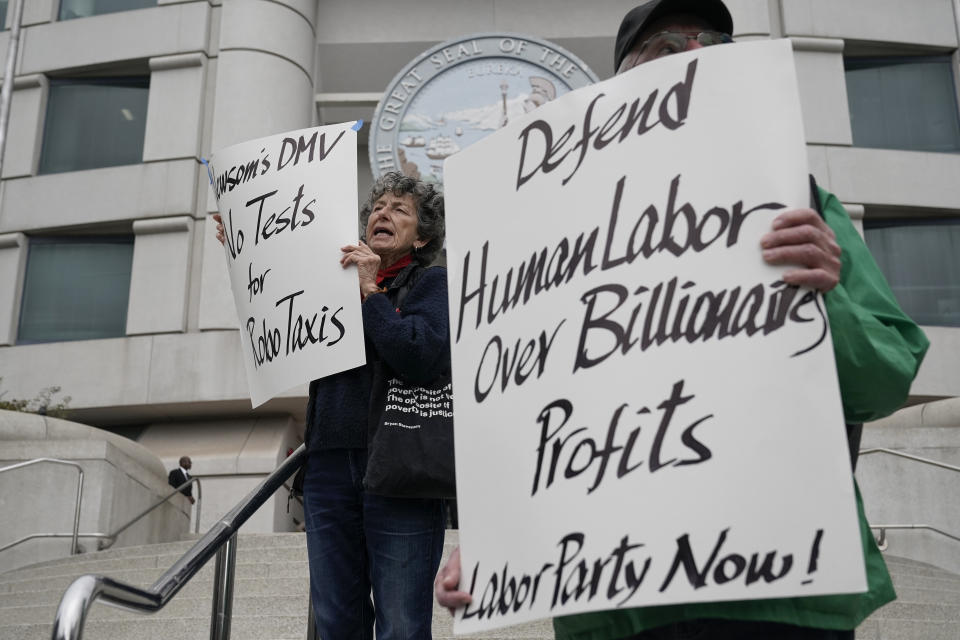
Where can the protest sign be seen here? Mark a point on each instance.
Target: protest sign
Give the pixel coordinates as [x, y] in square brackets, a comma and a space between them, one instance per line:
[288, 203]
[645, 413]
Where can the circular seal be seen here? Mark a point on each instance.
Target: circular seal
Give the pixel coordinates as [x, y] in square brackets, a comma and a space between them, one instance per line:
[462, 90]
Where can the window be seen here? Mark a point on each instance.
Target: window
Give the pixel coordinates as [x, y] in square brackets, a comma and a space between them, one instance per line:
[76, 288]
[921, 260]
[3, 14]
[70, 9]
[903, 103]
[94, 122]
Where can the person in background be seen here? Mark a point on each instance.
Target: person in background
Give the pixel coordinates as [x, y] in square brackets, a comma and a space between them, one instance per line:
[878, 350]
[180, 475]
[360, 543]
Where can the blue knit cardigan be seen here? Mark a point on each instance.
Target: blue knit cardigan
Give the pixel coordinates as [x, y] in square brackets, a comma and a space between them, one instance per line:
[414, 341]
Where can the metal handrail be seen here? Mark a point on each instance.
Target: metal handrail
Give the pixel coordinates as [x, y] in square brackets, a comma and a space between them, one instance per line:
[40, 536]
[106, 540]
[196, 528]
[219, 540]
[901, 454]
[882, 540]
[76, 509]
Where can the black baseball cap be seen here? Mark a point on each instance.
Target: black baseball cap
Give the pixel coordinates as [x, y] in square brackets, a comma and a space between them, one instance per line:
[714, 12]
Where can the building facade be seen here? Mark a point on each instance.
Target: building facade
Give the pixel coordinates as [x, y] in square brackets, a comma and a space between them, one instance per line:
[113, 286]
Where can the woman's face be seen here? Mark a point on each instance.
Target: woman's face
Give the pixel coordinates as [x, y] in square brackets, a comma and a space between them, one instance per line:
[392, 227]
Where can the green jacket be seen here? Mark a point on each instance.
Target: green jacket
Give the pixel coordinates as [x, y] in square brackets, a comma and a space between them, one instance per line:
[878, 350]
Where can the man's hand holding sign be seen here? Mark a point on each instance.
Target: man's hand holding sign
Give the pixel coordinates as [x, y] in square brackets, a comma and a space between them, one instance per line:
[801, 237]
[648, 409]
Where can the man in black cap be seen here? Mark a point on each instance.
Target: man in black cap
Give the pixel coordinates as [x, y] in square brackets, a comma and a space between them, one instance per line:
[877, 350]
[670, 27]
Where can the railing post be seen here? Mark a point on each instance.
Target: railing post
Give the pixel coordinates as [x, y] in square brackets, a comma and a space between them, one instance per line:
[223, 590]
[6, 94]
[74, 546]
[196, 527]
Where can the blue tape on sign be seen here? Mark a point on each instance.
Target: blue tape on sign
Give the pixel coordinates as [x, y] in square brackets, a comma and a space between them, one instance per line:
[356, 125]
[209, 172]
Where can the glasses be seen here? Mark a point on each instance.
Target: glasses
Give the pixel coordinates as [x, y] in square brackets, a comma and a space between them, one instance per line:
[667, 43]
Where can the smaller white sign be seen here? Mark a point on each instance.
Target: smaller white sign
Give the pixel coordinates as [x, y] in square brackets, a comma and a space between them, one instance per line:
[288, 203]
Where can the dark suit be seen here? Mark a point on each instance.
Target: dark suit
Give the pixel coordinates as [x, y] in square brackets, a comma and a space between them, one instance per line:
[177, 478]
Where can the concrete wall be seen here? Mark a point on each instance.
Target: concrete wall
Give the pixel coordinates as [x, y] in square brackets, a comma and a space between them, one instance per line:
[231, 457]
[223, 71]
[900, 491]
[220, 73]
[120, 480]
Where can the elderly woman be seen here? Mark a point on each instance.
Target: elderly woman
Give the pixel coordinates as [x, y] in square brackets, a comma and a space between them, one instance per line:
[358, 541]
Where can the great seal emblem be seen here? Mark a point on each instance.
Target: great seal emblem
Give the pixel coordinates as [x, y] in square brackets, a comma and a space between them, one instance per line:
[460, 91]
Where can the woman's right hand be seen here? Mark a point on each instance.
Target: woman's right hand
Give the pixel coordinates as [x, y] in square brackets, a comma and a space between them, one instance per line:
[368, 265]
[221, 234]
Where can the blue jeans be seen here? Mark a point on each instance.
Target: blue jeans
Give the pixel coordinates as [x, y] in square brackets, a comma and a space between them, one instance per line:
[359, 541]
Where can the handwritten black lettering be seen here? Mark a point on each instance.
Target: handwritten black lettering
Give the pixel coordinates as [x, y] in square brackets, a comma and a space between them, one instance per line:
[679, 313]
[575, 577]
[241, 174]
[300, 331]
[279, 222]
[680, 230]
[295, 148]
[725, 569]
[265, 346]
[234, 242]
[516, 365]
[255, 285]
[563, 447]
[553, 154]
[495, 600]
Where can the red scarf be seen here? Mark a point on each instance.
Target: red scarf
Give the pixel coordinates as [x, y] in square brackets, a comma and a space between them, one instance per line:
[392, 270]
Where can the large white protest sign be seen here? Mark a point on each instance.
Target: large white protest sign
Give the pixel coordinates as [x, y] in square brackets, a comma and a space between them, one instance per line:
[288, 203]
[645, 413]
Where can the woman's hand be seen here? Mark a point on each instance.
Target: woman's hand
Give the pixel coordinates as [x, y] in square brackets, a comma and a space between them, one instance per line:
[801, 237]
[368, 264]
[445, 586]
[221, 234]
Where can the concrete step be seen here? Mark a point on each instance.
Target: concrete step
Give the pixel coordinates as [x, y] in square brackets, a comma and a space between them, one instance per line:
[261, 627]
[873, 629]
[923, 582]
[198, 587]
[290, 547]
[165, 561]
[898, 610]
[919, 594]
[182, 606]
[912, 568]
[271, 592]
[146, 577]
[264, 627]
[272, 587]
[927, 605]
[270, 595]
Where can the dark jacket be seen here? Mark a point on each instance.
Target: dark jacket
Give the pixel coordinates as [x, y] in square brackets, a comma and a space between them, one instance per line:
[177, 478]
[412, 340]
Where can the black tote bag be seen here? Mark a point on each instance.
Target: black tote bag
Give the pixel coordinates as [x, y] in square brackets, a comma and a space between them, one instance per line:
[410, 447]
